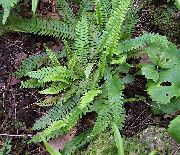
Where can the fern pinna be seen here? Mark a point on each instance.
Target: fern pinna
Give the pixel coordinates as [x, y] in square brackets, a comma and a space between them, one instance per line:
[89, 80]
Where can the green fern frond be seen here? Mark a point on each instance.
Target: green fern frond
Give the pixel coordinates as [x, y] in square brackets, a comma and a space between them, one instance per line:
[113, 30]
[34, 62]
[32, 83]
[65, 11]
[81, 39]
[143, 41]
[60, 127]
[114, 87]
[35, 25]
[7, 5]
[129, 23]
[53, 57]
[48, 74]
[113, 108]
[76, 143]
[94, 40]
[99, 14]
[161, 52]
[114, 24]
[54, 129]
[88, 97]
[106, 10]
[54, 88]
[102, 121]
[34, 5]
[103, 8]
[64, 125]
[58, 112]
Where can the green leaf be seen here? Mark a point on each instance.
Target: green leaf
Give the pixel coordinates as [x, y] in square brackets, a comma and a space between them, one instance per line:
[174, 128]
[168, 108]
[163, 94]
[164, 56]
[54, 89]
[120, 60]
[118, 139]
[160, 91]
[128, 79]
[34, 5]
[153, 152]
[88, 69]
[172, 75]
[52, 56]
[150, 72]
[89, 97]
[177, 4]
[7, 5]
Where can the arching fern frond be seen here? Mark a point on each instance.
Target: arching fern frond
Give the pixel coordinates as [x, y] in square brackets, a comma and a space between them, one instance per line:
[113, 27]
[81, 40]
[53, 57]
[113, 107]
[32, 83]
[35, 61]
[47, 74]
[55, 88]
[58, 112]
[7, 5]
[103, 10]
[162, 52]
[35, 25]
[65, 11]
[34, 5]
[76, 143]
[114, 24]
[65, 124]
[129, 23]
[145, 39]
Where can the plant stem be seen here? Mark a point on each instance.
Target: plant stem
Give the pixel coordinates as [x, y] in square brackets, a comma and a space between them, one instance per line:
[118, 139]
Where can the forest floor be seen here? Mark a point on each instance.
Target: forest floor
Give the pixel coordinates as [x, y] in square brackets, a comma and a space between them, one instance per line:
[18, 110]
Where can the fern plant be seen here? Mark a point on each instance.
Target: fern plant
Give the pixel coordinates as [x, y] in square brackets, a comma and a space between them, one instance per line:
[89, 80]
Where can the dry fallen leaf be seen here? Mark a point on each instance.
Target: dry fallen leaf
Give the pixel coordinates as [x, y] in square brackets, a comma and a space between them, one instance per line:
[19, 57]
[59, 142]
[13, 81]
[57, 48]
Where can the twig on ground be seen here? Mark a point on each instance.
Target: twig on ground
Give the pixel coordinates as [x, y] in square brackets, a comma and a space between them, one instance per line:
[22, 135]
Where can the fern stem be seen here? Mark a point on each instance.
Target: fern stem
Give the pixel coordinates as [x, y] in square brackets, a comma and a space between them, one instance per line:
[118, 139]
[99, 14]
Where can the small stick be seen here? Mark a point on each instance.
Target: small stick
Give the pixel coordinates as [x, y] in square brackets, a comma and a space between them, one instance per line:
[23, 135]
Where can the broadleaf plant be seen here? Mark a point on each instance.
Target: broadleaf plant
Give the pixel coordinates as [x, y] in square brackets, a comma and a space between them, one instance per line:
[174, 128]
